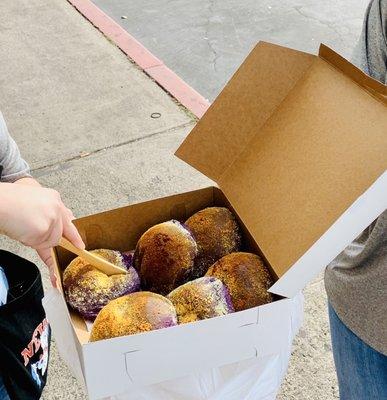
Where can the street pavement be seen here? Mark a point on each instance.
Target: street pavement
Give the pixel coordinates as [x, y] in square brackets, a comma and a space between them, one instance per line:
[81, 113]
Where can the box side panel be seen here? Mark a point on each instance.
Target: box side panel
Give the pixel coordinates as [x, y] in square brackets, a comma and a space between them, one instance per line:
[65, 337]
[253, 93]
[120, 229]
[175, 352]
[321, 150]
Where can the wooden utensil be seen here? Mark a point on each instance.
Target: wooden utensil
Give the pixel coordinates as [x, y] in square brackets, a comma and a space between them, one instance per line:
[98, 262]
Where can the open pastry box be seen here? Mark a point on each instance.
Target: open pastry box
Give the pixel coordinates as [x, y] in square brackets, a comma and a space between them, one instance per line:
[297, 145]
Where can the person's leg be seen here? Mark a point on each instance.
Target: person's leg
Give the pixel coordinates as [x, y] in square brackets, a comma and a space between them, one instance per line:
[361, 370]
[3, 391]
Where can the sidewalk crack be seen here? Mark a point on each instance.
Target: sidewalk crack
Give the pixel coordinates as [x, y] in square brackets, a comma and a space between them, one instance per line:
[299, 10]
[113, 146]
[215, 55]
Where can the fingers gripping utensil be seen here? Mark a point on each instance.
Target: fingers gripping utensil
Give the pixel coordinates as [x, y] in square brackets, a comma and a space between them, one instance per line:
[98, 262]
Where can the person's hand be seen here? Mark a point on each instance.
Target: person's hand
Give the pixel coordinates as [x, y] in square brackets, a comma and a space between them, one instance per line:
[36, 217]
[46, 256]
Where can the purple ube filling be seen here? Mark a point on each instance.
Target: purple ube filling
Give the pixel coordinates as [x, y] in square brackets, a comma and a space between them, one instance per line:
[92, 308]
[127, 259]
[224, 293]
[184, 227]
[187, 230]
[92, 304]
[200, 299]
[167, 322]
[227, 298]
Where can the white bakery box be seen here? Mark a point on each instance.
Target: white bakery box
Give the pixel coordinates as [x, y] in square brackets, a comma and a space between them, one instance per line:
[297, 145]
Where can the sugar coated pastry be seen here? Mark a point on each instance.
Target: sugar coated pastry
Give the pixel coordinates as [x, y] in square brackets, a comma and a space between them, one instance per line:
[87, 289]
[217, 234]
[202, 298]
[134, 313]
[246, 277]
[164, 257]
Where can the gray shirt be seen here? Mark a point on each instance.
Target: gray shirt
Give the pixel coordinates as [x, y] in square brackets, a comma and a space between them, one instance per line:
[14, 167]
[356, 281]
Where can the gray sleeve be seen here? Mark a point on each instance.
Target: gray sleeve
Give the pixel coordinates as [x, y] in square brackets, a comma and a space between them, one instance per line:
[371, 52]
[14, 167]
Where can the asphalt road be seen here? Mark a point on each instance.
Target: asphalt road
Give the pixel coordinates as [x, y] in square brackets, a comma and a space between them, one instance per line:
[204, 41]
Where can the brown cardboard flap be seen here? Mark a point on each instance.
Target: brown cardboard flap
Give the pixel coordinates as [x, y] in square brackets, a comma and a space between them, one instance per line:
[339, 62]
[305, 145]
[245, 104]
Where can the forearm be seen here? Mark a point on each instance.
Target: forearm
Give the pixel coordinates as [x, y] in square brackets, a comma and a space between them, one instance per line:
[6, 205]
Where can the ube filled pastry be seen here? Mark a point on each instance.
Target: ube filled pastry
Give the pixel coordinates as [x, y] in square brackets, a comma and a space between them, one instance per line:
[164, 257]
[246, 277]
[217, 233]
[87, 289]
[134, 313]
[202, 298]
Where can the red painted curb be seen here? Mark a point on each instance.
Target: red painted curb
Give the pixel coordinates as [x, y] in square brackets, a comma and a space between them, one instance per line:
[154, 67]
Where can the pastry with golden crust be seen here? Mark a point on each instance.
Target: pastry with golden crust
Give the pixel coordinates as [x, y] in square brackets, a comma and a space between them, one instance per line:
[217, 234]
[164, 257]
[246, 277]
[202, 298]
[134, 313]
[87, 289]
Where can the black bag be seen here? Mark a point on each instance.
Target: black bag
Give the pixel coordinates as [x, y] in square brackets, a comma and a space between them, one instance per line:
[24, 332]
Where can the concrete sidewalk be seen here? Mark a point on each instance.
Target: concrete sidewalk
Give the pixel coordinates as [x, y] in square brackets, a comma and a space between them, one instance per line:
[79, 108]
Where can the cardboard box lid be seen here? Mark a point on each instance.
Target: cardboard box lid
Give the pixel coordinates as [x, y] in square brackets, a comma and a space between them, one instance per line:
[293, 141]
